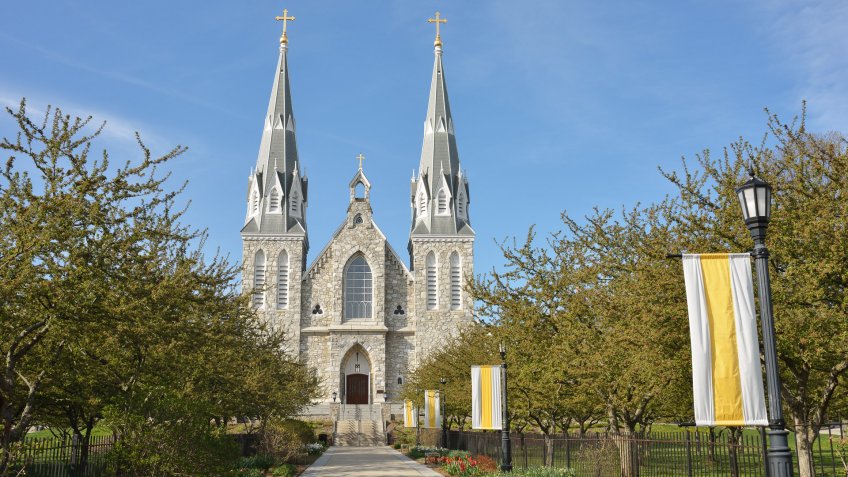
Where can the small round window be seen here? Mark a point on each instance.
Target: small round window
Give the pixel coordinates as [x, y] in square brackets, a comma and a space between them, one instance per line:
[358, 219]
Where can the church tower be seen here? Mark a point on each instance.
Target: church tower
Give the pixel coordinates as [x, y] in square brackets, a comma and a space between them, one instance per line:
[274, 236]
[441, 241]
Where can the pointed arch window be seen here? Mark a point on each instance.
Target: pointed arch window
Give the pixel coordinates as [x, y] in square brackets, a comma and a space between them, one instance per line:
[259, 279]
[456, 281]
[443, 202]
[283, 280]
[274, 201]
[357, 289]
[432, 285]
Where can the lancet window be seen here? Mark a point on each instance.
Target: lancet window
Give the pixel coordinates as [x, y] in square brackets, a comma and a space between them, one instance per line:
[283, 280]
[358, 289]
[432, 285]
[456, 281]
[259, 279]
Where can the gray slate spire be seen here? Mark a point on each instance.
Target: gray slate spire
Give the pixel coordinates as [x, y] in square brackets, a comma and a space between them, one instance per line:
[277, 189]
[439, 193]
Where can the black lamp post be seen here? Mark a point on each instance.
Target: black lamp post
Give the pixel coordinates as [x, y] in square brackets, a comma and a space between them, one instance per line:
[442, 393]
[334, 396]
[506, 448]
[755, 199]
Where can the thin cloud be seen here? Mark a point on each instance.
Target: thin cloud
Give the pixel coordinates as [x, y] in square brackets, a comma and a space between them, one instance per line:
[114, 75]
[811, 36]
[118, 129]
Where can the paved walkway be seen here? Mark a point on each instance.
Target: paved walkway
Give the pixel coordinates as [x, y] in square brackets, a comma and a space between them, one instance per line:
[366, 462]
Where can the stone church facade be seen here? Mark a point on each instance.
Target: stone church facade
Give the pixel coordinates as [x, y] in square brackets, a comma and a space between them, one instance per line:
[358, 314]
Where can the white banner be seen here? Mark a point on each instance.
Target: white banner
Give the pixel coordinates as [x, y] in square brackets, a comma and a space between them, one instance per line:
[486, 411]
[432, 416]
[410, 414]
[727, 379]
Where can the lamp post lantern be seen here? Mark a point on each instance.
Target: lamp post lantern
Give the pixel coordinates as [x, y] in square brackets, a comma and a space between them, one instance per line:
[506, 448]
[755, 199]
[442, 393]
[334, 396]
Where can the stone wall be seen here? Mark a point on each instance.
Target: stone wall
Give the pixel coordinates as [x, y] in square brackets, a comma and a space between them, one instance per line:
[400, 354]
[288, 318]
[434, 328]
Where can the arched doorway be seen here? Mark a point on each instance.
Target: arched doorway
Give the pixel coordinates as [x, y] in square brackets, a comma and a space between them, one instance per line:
[356, 376]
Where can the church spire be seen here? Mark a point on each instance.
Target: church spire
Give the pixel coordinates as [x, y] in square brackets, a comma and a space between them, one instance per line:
[276, 189]
[440, 191]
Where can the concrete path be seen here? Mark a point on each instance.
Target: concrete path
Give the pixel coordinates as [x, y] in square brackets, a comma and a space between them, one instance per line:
[366, 462]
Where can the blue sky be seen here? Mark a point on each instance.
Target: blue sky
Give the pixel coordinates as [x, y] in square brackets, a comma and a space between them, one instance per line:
[558, 105]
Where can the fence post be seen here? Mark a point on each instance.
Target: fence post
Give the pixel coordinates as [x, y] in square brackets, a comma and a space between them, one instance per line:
[688, 454]
[734, 461]
[524, 448]
[764, 447]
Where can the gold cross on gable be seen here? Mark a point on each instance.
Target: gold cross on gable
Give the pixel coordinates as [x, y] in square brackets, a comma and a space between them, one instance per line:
[437, 21]
[285, 18]
[361, 158]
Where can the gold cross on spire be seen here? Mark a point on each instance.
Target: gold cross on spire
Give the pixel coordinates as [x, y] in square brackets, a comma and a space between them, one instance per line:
[285, 18]
[361, 158]
[437, 21]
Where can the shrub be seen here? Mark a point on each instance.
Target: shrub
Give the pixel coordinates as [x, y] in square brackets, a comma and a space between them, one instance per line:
[316, 448]
[251, 473]
[458, 453]
[486, 463]
[285, 439]
[396, 445]
[418, 452]
[303, 431]
[258, 461]
[543, 472]
[404, 435]
[285, 470]
[147, 447]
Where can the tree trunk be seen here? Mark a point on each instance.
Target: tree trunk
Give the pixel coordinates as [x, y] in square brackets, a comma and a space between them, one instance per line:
[549, 450]
[628, 455]
[804, 438]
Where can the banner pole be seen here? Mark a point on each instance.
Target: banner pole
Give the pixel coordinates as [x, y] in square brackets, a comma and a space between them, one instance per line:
[506, 447]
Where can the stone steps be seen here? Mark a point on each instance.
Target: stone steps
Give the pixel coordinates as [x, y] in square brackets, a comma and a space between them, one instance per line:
[364, 433]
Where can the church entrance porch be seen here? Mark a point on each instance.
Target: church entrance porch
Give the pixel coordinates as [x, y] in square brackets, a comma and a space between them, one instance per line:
[357, 389]
[356, 380]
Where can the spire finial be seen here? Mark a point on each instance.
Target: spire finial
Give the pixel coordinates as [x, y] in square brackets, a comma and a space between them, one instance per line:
[285, 18]
[437, 21]
[361, 158]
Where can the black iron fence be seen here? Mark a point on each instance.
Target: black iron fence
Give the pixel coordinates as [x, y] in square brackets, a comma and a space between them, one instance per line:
[63, 456]
[686, 452]
[67, 457]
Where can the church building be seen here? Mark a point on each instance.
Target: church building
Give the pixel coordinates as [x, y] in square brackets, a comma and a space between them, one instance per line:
[359, 314]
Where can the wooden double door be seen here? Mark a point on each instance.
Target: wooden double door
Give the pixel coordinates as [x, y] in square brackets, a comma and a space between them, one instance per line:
[356, 386]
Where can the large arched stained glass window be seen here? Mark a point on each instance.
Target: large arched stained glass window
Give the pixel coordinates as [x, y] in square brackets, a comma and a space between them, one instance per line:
[358, 289]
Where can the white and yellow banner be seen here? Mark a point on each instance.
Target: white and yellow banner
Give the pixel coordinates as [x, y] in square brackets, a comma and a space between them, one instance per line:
[432, 417]
[410, 414]
[486, 409]
[726, 376]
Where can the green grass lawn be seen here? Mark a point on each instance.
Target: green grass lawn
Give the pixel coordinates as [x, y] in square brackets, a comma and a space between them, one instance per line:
[667, 454]
[47, 433]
